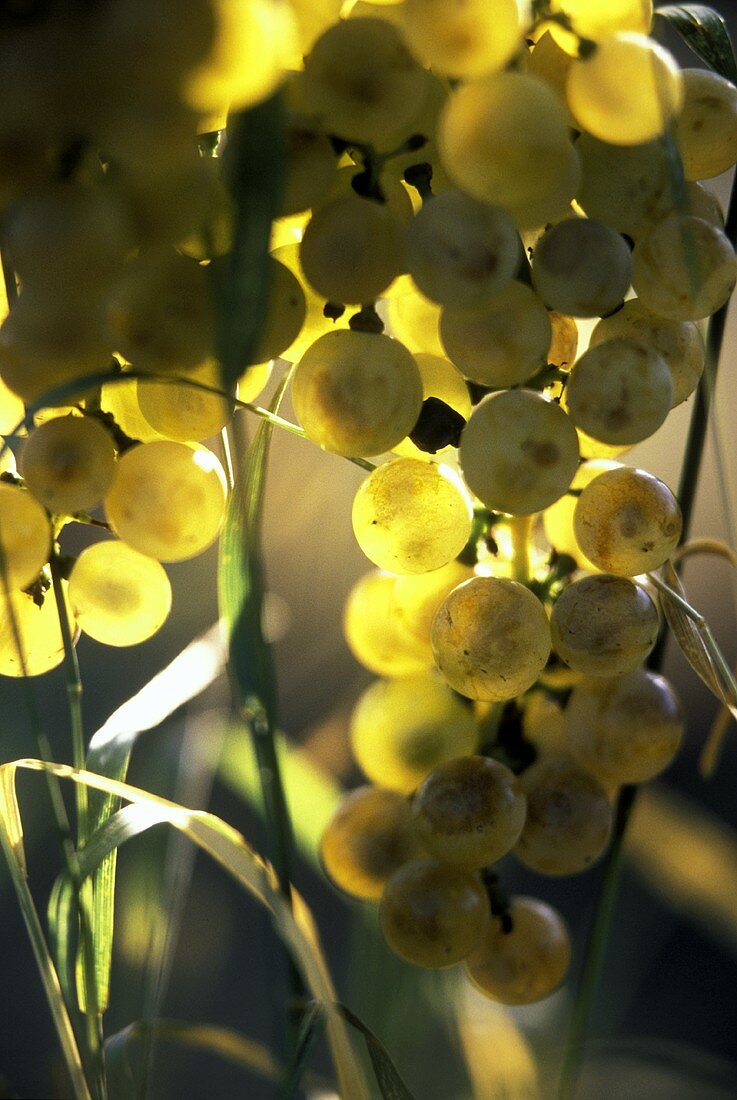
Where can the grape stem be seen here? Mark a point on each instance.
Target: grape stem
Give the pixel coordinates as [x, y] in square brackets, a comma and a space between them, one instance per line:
[596, 945]
[520, 528]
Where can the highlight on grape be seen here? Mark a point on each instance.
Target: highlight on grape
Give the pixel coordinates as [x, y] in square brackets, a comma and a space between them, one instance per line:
[472, 244]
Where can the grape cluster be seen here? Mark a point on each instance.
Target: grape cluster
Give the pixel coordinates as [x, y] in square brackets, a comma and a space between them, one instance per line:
[467, 193]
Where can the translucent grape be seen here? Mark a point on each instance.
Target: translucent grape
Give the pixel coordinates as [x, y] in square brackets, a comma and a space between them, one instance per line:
[469, 812]
[182, 412]
[558, 518]
[582, 267]
[120, 399]
[408, 517]
[316, 323]
[403, 729]
[440, 379]
[684, 268]
[357, 393]
[416, 599]
[491, 638]
[518, 452]
[39, 633]
[433, 915]
[369, 837]
[68, 463]
[25, 535]
[706, 127]
[604, 625]
[462, 40]
[12, 409]
[596, 19]
[626, 729]
[679, 343]
[564, 342]
[627, 91]
[542, 723]
[286, 310]
[527, 963]
[619, 391]
[310, 167]
[253, 381]
[548, 62]
[627, 187]
[167, 499]
[376, 635]
[501, 343]
[119, 597]
[414, 320]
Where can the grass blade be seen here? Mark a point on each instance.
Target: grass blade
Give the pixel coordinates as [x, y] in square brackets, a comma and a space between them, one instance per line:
[387, 1075]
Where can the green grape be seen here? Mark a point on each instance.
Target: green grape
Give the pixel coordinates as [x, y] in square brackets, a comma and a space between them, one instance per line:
[167, 499]
[120, 400]
[627, 91]
[527, 963]
[369, 837]
[518, 452]
[416, 599]
[627, 522]
[12, 409]
[604, 625]
[624, 729]
[119, 597]
[442, 380]
[684, 269]
[403, 729]
[558, 518]
[627, 187]
[214, 236]
[564, 342]
[182, 412]
[39, 633]
[433, 915]
[316, 323]
[376, 635]
[461, 252]
[357, 393]
[253, 381]
[620, 391]
[504, 140]
[462, 40]
[409, 517]
[286, 310]
[542, 723]
[161, 312]
[581, 267]
[310, 167]
[702, 203]
[679, 343]
[68, 463]
[706, 127]
[414, 319]
[25, 536]
[397, 201]
[546, 61]
[361, 82]
[569, 817]
[491, 638]
[595, 450]
[469, 812]
[351, 250]
[502, 343]
[596, 19]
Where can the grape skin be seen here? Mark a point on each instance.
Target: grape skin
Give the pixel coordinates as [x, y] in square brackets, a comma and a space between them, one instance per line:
[604, 625]
[119, 597]
[462, 40]
[558, 518]
[39, 631]
[25, 535]
[68, 463]
[706, 127]
[375, 630]
[581, 267]
[627, 187]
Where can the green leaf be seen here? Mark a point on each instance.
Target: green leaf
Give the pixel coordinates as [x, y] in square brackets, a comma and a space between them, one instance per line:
[705, 32]
[387, 1076]
[252, 170]
[305, 1038]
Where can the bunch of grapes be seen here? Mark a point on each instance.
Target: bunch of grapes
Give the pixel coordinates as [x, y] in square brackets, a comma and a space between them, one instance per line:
[493, 256]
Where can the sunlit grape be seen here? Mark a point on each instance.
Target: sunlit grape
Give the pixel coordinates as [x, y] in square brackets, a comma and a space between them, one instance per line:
[462, 40]
[596, 19]
[416, 599]
[706, 126]
[376, 632]
[442, 380]
[38, 631]
[558, 518]
[119, 597]
[604, 625]
[25, 536]
[414, 319]
[582, 267]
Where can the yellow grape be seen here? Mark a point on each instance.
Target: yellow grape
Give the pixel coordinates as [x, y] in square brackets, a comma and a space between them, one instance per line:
[548, 62]
[629, 187]
[120, 399]
[42, 645]
[558, 517]
[310, 167]
[416, 599]
[462, 40]
[542, 723]
[440, 379]
[12, 409]
[403, 729]
[604, 625]
[596, 19]
[182, 412]
[564, 342]
[414, 319]
[25, 536]
[706, 127]
[375, 631]
[581, 267]
[316, 323]
[286, 310]
[119, 597]
[253, 381]
[68, 463]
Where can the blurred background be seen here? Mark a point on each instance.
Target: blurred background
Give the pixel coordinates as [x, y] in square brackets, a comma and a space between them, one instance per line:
[191, 946]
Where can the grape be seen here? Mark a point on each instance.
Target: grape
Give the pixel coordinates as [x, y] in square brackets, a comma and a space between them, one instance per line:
[596, 19]
[620, 391]
[403, 729]
[518, 452]
[119, 597]
[360, 81]
[627, 187]
[702, 203]
[684, 269]
[491, 638]
[462, 40]
[397, 201]
[167, 499]
[310, 167]
[351, 250]
[409, 517]
[624, 729]
[315, 323]
[564, 342]
[706, 127]
[369, 837]
[25, 536]
[558, 518]
[357, 393]
[527, 963]
[68, 463]
[461, 252]
[253, 381]
[214, 236]
[39, 633]
[627, 91]
[433, 915]
[542, 723]
[414, 319]
[582, 267]
[286, 310]
[549, 63]
[120, 399]
[604, 625]
[416, 599]
[502, 343]
[594, 449]
[627, 522]
[375, 632]
[679, 343]
[442, 380]
[469, 812]
[504, 140]
[12, 409]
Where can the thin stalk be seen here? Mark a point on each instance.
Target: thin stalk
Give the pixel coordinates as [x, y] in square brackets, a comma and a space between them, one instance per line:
[599, 931]
[520, 528]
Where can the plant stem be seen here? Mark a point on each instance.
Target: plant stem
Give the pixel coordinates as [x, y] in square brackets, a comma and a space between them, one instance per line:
[520, 528]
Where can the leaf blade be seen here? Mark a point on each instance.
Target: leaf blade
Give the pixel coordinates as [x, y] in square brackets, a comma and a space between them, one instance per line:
[705, 32]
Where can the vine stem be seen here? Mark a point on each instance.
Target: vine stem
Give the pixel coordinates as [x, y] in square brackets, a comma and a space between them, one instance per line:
[598, 936]
[520, 528]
